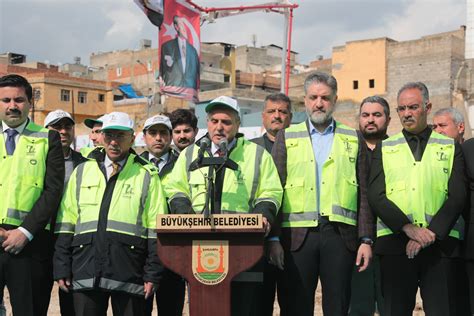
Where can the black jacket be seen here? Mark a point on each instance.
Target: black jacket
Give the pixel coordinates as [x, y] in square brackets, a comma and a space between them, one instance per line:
[103, 259]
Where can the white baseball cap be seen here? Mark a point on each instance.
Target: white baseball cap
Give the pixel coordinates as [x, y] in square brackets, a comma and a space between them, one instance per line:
[117, 120]
[89, 122]
[224, 101]
[158, 120]
[55, 116]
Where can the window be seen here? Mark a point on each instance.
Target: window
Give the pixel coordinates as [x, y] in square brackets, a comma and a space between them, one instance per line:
[65, 95]
[371, 83]
[82, 97]
[101, 97]
[119, 71]
[355, 84]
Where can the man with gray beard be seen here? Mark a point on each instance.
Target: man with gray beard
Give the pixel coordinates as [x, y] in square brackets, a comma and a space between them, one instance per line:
[325, 218]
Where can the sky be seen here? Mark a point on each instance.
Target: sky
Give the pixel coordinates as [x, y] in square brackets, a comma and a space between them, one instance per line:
[54, 31]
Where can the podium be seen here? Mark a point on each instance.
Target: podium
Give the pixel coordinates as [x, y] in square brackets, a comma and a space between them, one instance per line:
[209, 253]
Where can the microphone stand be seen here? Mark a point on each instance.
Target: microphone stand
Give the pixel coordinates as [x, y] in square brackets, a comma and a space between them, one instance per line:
[213, 163]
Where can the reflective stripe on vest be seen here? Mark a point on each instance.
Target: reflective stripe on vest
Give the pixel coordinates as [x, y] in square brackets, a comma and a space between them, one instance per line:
[22, 174]
[422, 188]
[338, 198]
[87, 220]
[197, 187]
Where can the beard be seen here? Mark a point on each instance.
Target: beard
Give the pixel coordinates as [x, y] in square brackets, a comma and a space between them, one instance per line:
[374, 135]
[321, 118]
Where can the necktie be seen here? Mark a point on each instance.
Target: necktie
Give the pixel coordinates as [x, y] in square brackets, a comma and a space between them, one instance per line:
[417, 152]
[183, 49]
[10, 143]
[220, 153]
[156, 162]
[115, 169]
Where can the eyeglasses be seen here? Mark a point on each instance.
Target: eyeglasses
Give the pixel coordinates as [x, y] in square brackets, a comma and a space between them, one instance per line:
[403, 108]
[16, 100]
[115, 136]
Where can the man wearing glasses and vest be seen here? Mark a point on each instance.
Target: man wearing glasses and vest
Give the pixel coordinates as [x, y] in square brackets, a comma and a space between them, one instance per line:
[106, 246]
[31, 183]
[417, 190]
[325, 217]
[253, 187]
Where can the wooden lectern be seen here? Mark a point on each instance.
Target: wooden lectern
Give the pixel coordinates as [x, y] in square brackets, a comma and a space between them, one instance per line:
[209, 253]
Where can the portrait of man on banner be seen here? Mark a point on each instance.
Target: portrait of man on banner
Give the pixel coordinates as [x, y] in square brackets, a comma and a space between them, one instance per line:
[179, 52]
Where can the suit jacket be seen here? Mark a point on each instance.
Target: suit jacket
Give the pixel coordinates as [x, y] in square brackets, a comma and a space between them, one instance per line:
[292, 238]
[171, 67]
[468, 150]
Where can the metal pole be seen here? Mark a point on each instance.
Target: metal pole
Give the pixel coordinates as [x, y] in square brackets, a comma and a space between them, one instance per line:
[290, 29]
[283, 53]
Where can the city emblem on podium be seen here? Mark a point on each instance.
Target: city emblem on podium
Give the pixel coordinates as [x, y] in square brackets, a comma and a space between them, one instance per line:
[210, 260]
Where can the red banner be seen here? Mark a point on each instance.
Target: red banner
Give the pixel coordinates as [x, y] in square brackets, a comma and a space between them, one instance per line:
[180, 48]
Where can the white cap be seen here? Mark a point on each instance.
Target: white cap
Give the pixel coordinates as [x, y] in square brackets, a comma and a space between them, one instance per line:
[55, 116]
[158, 120]
[91, 122]
[117, 120]
[224, 101]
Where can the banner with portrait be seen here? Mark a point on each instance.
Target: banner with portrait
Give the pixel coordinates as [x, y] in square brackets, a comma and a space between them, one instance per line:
[179, 51]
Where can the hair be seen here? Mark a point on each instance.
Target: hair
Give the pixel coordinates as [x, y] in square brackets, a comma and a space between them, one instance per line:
[379, 100]
[279, 98]
[321, 77]
[416, 85]
[183, 116]
[456, 116]
[19, 82]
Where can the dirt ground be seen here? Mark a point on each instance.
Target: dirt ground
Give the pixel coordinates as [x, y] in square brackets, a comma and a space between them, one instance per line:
[54, 306]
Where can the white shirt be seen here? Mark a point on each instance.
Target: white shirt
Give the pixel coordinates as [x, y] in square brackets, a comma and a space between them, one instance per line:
[108, 164]
[20, 130]
[182, 44]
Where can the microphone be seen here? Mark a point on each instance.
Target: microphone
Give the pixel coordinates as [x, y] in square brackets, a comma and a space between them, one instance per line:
[203, 145]
[223, 146]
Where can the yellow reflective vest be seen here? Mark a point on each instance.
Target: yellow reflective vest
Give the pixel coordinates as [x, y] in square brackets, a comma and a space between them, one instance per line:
[339, 186]
[136, 200]
[256, 179]
[418, 188]
[22, 174]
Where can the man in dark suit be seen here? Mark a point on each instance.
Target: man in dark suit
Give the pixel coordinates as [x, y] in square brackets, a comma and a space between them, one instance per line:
[179, 64]
[31, 184]
[276, 115]
[366, 293]
[63, 123]
[417, 190]
[325, 217]
[468, 150]
[157, 135]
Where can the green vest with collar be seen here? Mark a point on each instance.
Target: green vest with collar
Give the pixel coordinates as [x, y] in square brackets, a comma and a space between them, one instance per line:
[339, 187]
[22, 174]
[418, 188]
[136, 200]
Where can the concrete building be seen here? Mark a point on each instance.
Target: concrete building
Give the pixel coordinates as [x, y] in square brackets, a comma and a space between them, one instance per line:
[382, 65]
